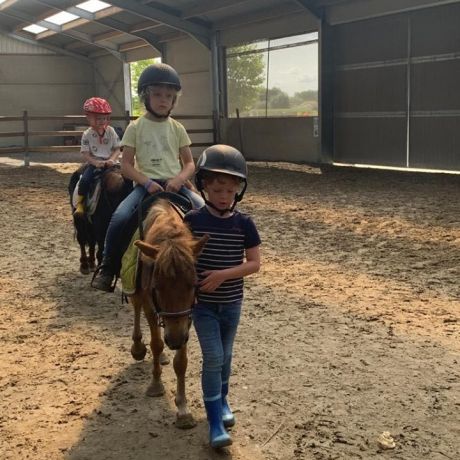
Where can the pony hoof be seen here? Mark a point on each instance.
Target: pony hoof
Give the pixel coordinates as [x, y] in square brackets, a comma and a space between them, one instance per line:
[185, 422]
[164, 359]
[84, 270]
[155, 390]
[138, 352]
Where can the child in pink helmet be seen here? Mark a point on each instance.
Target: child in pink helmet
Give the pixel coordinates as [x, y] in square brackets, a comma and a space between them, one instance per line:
[100, 145]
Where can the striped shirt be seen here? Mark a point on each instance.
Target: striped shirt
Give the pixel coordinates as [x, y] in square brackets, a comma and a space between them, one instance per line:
[228, 239]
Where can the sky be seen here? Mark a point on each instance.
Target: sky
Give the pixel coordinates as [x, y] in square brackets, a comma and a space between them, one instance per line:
[294, 69]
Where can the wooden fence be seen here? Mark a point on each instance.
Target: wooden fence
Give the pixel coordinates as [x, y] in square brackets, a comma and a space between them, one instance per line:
[76, 120]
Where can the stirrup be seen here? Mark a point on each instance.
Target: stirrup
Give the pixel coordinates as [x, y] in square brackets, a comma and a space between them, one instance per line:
[107, 287]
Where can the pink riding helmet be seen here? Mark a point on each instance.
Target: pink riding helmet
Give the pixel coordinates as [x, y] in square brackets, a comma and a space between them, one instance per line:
[97, 106]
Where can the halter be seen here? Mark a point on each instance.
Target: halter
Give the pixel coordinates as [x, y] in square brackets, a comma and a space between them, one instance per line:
[160, 314]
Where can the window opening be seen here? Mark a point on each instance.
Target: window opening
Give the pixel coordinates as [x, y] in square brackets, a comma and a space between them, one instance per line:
[274, 78]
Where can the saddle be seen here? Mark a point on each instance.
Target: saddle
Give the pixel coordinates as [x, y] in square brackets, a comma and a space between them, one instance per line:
[134, 231]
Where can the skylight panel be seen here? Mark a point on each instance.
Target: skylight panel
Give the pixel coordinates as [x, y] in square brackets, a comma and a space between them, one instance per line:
[61, 18]
[92, 6]
[34, 28]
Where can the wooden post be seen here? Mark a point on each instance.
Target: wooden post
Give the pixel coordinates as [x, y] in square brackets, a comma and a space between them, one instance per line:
[26, 138]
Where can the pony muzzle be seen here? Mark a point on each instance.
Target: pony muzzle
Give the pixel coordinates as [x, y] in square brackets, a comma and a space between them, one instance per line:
[176, 343]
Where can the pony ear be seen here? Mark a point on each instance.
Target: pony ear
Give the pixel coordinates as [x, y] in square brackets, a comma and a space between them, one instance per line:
[147, 249]
[198, 245]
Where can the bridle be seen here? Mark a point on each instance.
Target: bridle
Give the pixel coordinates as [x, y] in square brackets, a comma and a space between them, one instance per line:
[161, 314]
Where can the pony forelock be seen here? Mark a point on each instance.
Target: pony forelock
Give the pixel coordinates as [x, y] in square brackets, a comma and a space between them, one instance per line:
[170, 234]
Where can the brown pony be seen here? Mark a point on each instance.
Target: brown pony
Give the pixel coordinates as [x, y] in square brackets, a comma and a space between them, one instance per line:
[166, 294]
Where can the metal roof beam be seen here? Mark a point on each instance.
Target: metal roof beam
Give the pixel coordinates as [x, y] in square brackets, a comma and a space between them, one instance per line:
[209, 6]
[147, 36]
[259, 15]
[55, 49]
[310, 6]
[7, 4]
[150, 38]
[73, 34]
[200, 33]
[342, 12]
[68, 6]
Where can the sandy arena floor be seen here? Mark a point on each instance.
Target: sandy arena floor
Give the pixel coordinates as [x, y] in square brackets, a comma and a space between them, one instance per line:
[351, 328]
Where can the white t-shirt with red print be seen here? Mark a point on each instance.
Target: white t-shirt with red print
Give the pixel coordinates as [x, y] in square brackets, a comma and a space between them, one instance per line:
[99, 146]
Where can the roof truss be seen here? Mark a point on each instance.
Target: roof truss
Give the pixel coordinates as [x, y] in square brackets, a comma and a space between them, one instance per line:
[103, 18]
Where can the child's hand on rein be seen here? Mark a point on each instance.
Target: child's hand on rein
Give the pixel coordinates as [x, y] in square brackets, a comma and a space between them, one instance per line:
[154, 187]
[174, 184]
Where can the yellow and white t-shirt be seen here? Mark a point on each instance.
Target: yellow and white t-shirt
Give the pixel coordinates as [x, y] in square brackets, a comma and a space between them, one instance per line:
[157, 145]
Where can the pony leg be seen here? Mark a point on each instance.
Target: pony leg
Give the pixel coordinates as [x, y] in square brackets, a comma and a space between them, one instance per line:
[156, 387]
[100, 250]
[184, 418]
[138, 349]
[84, 261]
[80, 232]
[92, 257]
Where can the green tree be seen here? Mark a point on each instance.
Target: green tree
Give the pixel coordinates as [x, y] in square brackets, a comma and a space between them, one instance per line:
[304, 96]
[136, 69]
[277, 99]
[245, 75]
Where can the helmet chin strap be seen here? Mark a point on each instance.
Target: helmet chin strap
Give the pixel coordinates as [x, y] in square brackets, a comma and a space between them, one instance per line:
[156, 115]
[220, 211]
[99, 129]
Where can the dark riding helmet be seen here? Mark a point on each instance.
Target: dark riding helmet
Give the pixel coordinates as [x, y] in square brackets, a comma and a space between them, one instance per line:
[158, 74]
[223, 159]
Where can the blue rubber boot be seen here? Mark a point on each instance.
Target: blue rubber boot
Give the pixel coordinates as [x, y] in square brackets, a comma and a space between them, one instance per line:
[218, 436]
[227, 415]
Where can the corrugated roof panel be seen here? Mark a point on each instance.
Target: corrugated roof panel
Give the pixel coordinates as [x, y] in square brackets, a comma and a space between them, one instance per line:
[10, 45]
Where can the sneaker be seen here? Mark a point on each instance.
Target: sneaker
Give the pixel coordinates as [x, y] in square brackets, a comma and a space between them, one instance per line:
[103, 280]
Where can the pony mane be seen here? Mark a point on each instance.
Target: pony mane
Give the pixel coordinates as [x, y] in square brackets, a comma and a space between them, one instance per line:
[165, 228]
[113, 180]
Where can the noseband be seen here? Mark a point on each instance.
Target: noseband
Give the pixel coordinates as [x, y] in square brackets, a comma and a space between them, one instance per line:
[161, 314]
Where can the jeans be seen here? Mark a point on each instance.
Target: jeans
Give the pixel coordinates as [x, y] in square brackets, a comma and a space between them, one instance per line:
[117, 229]
[216, 325]
[86, 179]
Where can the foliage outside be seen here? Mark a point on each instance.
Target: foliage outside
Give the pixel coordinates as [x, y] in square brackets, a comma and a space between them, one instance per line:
[246, 75]
[136, 68]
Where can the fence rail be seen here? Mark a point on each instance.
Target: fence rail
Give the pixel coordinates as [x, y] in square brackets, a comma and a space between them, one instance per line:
[27, 133]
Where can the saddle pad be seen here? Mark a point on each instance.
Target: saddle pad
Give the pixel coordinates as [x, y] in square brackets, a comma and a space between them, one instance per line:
[92, 199]
[130, 259]
[75, 195]
[129, 265]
